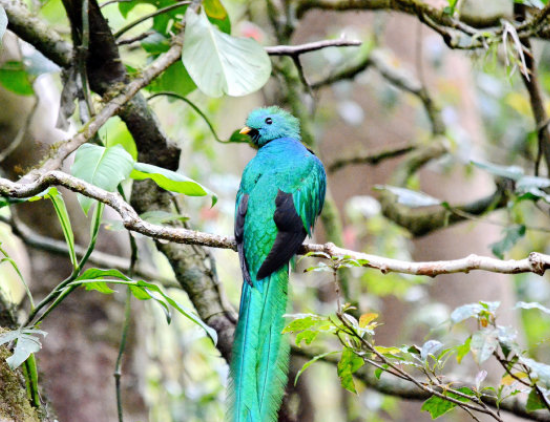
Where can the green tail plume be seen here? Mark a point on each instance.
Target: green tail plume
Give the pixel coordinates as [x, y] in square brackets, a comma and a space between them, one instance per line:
[260, 353]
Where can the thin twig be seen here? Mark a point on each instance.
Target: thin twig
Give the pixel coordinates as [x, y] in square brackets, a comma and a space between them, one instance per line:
[297, 50]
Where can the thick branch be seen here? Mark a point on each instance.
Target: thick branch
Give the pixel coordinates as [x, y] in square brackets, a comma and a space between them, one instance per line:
[372, 158]
[536, 262]
[36, 32]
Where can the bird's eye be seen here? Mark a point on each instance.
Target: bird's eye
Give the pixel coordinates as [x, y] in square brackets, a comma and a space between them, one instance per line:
[268, 120]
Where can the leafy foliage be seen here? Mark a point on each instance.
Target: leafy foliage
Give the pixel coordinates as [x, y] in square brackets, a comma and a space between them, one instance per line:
[102, 167]
[221, 64]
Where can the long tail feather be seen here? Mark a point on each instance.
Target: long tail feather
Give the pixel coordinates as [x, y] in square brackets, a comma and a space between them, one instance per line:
[260, 354]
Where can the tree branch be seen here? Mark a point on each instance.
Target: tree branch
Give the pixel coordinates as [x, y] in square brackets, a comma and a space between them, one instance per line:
[297, 50]
[536, 262]
[405, 390]
[372, 158]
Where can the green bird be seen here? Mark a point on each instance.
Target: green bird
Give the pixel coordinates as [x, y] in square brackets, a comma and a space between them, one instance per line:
[281, 194]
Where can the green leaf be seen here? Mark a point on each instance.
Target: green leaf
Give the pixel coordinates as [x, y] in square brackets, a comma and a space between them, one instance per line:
[534, 401]
[308, 364]
[102, 167]
[483, 344]
[216, 13]
[162, 23]
[221, 64]
[14, 77]
[349, 364]
[438, 406]
[410, 198]
[171, 181]
[511, 172]
[300, 324]
[63, 216]
[3, 23]
[100, 286]
[174, 79]
[463, 312]
[532, 305]
[431, 347]
[28, 342]
[93, 273]
[511, 236]
[115, 132]
[463, 349]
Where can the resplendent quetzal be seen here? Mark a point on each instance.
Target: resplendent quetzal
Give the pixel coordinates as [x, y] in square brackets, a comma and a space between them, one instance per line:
[281, 194]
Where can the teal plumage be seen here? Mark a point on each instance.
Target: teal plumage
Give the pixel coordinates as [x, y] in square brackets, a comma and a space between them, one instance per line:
[281, 194]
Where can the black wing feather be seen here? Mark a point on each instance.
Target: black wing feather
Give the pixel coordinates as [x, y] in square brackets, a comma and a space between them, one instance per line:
[239, 237]
[290, 237]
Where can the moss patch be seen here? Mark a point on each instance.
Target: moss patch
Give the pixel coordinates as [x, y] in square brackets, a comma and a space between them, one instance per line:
[14, 404]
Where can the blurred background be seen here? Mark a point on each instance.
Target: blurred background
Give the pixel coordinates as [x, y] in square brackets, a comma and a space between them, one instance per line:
[408, 93]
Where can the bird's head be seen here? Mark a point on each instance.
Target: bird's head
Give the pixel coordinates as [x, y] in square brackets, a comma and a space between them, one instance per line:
[263, 125]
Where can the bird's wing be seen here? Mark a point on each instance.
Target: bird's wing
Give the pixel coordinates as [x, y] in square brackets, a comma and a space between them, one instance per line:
[295, 215]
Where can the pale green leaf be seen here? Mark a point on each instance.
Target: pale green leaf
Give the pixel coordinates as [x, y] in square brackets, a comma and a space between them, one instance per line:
[410, 198]
[221, 64]
[63, 216]
[483, 344]
[102, 167]
[171, 181]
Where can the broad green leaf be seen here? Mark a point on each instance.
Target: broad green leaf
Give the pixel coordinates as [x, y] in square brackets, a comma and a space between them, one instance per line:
[3, 23]
[174, 79]
[115, 132]
[410, 198]
[308, 364]
[171, 181]
[483, 344]
[100, 286]
[511, 236]
[221, 64]
[349, 364]
[14, 77]
[463, 312]
[102, 167]
[28, 342]
[534, 401]
[431, 347]
[438, 406]
[532, 305]
[511, 172]
[63, 216]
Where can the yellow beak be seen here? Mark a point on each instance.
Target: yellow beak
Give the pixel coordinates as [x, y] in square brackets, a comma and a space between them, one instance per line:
[245, 130]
